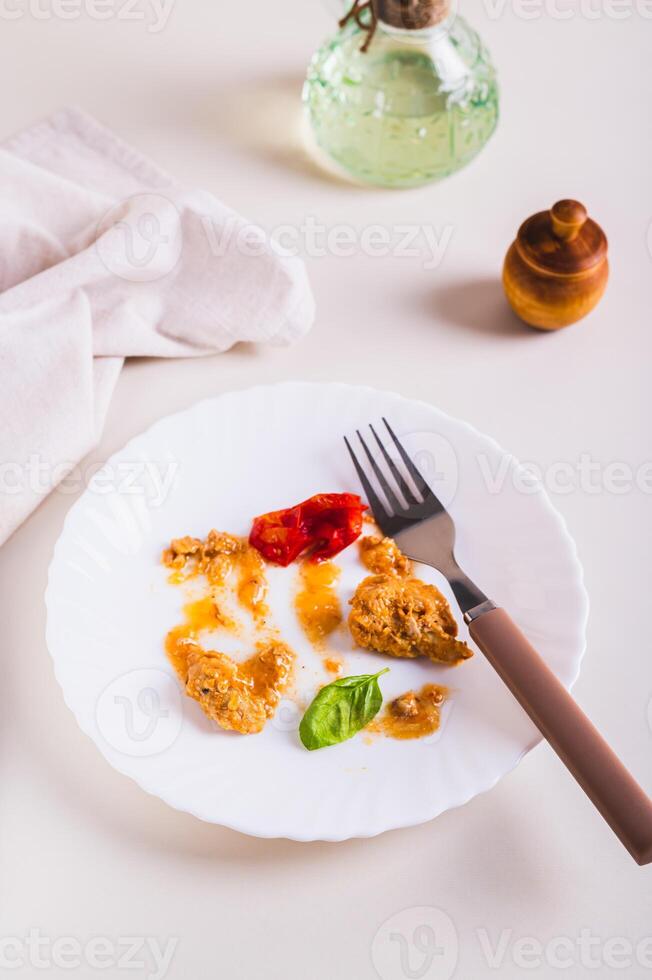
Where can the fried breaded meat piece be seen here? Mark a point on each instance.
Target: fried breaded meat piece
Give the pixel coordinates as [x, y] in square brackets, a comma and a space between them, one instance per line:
[382, 556]
[405, 617]
[214, 557]
[240, 696]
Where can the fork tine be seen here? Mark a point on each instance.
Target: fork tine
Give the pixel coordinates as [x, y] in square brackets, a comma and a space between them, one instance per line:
[421, 484]
[378, 509]
[391, 497]
[403, 485]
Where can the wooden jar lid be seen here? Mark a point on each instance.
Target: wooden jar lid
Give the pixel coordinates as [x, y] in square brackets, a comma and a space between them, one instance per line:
[563, 241]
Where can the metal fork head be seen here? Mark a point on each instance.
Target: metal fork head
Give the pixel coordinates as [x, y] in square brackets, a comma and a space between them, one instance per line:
[416, 518]
[410, 512]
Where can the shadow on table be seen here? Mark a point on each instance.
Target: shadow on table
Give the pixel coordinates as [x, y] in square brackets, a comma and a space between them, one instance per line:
[479, 305]
[92, 791]
[264, 116]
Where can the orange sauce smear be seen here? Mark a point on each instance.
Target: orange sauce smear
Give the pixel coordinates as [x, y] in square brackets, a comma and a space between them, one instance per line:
[217, 557]
[413, 714]
[252, 583]
[334, 665]
[316, 604]
[202, 614]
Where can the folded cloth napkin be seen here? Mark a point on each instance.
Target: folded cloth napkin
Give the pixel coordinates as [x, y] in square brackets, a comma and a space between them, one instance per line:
[104, 256]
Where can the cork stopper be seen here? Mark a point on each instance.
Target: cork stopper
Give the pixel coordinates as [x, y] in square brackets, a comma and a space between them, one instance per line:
[407, 15]
[412, 15]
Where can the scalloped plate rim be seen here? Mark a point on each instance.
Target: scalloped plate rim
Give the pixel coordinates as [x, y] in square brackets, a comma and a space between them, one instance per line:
[241, 825]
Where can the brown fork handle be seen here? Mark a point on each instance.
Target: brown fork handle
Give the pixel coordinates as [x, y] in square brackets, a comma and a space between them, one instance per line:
[602, 776]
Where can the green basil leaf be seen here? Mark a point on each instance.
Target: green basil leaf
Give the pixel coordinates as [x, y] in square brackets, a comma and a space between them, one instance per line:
[340, 710]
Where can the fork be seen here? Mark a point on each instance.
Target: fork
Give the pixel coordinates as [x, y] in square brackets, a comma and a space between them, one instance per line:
[425, 532]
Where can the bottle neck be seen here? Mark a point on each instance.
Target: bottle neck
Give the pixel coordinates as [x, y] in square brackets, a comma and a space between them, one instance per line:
[408, 21]
[412, 15]
[417, 36]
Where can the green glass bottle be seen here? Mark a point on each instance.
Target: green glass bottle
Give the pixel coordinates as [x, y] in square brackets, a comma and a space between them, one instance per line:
[404, 94]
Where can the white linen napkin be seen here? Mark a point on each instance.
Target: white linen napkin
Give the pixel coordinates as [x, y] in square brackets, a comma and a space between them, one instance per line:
[104, 256]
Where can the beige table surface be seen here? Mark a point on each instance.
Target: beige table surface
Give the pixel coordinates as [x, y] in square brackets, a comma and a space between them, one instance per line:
[213, 97]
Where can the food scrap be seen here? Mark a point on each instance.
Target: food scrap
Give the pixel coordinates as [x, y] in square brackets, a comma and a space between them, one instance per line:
[334, 665]
[323, 526]
[412, 715]
[394, 613]
[240, 696]
[216, 558]
[317, 605]
[405, 617]
[382, 556]
[202, 614]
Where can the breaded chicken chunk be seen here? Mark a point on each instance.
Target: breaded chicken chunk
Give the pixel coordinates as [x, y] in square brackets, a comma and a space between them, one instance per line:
[382, 556]
[214, 557]
[240, 696]
[405, 617]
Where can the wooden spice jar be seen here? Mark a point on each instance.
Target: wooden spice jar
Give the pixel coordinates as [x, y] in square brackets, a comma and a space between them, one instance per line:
[557, 269]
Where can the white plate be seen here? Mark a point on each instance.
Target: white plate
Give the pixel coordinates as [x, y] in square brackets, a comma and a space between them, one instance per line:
[109, 607]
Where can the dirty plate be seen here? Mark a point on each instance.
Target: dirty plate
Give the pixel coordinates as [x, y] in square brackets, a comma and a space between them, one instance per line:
[217, 465]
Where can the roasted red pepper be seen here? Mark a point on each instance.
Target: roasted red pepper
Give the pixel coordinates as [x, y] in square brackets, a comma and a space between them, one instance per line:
[326, 524]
